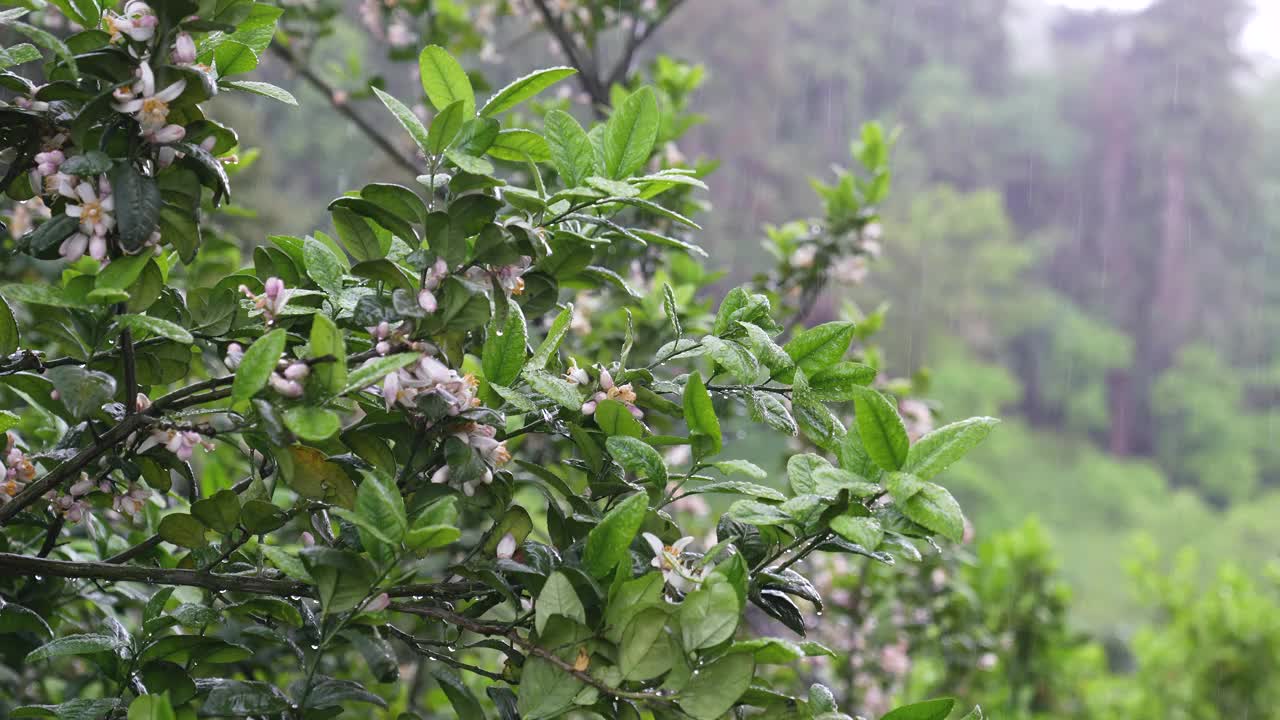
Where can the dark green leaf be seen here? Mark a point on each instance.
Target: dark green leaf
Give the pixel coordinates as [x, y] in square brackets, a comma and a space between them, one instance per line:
[608, 542]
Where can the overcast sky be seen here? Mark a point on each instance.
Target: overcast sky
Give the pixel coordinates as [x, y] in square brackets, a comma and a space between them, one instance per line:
[1263, 35]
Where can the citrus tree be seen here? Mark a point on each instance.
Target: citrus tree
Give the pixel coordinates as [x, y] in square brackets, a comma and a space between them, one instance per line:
[396, 454]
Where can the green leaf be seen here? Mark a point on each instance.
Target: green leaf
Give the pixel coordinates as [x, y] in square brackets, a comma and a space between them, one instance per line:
[179, 230]
[310, 423]
[445, 127]
[265, 89]
[713, 691]
[19, 54]
[183, 530]
[561, 391]
[343, 579]
[608, 542]
[79, 709]
[151, 707]
[738, 487]
[546, 691]
[220, 512]
[733, 357]
[523, 88]
[934, 508]
[48, 41]
[700, 414]
[819, 347]
[327, 340]
[312, 475]
[464, 702]
[84, 392]
[519, 145]
[240, 698]
[373, 371]
[504, 349]
[407, 120]
[260, 516]
[380, 504]
[74, 645]
[638, 457]
[137, 205]
[709, 615]
[937, 709]
[257, 365]
[864, 531]
[741, 467]
[571, 151]
[444, 80]
[234, 58]
[769, 353]
[469, 163]
[615, 419]
[802, 472]
[15, 618]
[757, 513]
[630, 134]
[357, 237]
[936, 451]
[551, 343]
[557, 598]
[90, 164]
[156, 326]
[645, 651]
[40, 295]
[840, 381]
[883, 434]
[327, 692]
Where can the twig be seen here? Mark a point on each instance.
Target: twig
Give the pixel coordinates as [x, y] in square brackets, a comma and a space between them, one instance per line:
[587, 75]
[68, 469]
[130, 367]
[319, 83]
[420, 648]
[25, 565]
[532, 648]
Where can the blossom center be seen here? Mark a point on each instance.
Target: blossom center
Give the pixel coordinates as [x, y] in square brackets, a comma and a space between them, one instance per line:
[154, 111]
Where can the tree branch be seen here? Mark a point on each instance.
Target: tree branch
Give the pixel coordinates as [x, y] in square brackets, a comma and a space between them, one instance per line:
[587, 74]
[375, 136]
[24, 565]
[511, 633]
[635, 40]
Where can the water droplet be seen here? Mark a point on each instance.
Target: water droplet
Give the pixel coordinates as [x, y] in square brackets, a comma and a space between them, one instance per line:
[315, 647]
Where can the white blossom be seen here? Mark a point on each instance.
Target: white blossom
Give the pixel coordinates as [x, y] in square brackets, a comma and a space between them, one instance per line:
[667, 559]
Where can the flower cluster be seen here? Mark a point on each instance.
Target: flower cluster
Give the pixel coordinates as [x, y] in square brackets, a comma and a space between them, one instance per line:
[181, 443]
[94, 210]
[429, 376]
[431, 279]
[508, 277]
[18, 469]
[482, 439]
[609, 390]
[138, 22]
[272, 300]
[151, 108]
[678, 575]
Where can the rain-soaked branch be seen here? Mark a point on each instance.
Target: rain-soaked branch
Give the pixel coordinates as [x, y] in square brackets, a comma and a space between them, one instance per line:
[331, 94]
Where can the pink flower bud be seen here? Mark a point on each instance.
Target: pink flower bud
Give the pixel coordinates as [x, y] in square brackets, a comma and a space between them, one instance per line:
[273, 287]
[379, 603]
[308, 539]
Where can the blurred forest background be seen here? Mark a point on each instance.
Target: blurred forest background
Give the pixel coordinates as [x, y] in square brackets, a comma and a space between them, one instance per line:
[1080, 240]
